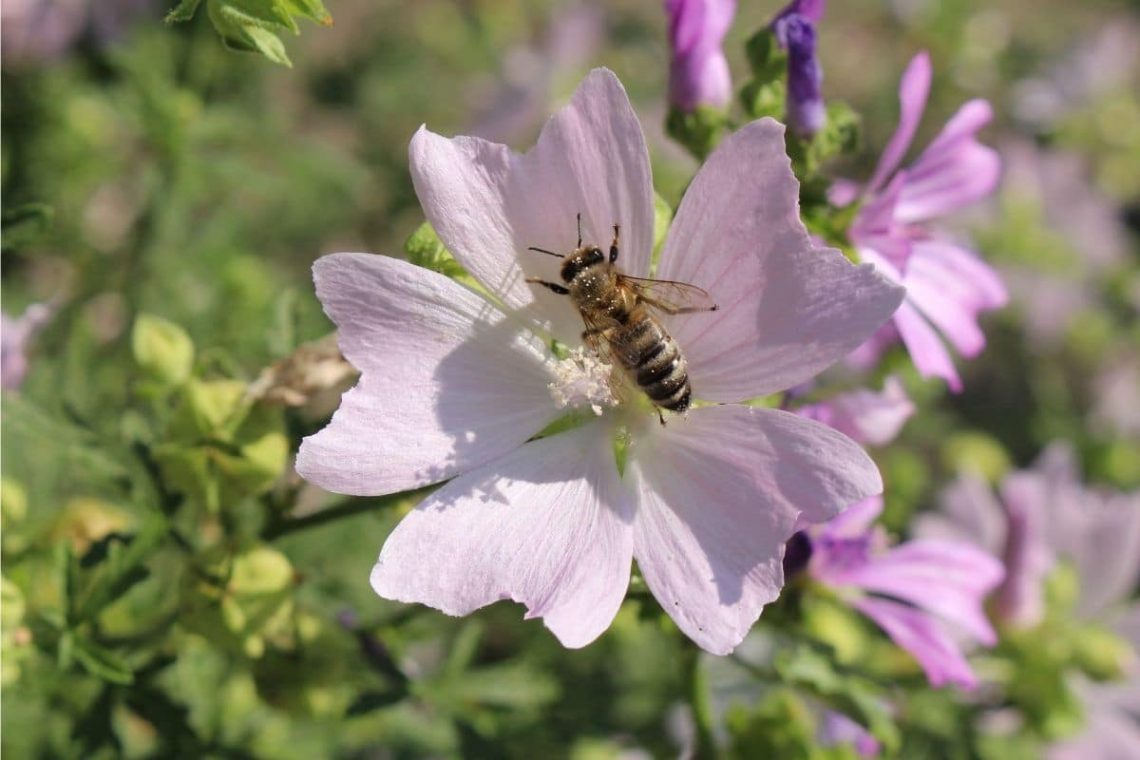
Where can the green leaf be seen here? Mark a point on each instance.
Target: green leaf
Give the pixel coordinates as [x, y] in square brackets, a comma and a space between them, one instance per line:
[184, 11]
[311, 9]
[371, 701]
[760, 99]
[253, 25]
[23, 225]
[425, 249]
[767, 60]
[101, 662]
[123, 567]
[162, 349]
[210, 409]
[811, 670]
[699, 131]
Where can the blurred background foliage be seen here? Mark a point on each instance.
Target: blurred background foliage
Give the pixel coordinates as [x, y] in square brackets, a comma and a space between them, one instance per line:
[172, 589]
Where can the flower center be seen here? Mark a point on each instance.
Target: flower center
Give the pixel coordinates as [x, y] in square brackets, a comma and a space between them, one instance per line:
[583, 380]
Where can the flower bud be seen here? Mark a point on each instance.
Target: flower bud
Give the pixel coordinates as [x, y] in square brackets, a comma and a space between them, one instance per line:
[698, 73]
[162, 349]
[804, 104]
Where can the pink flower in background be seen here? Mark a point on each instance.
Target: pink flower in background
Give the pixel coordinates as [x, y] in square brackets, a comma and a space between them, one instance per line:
[947, 285]
[16, 335]
[698, 71]
[456, 385]
[33, 31]
[912, 590]
[1046, 514]
[865, 416]
[838, 729]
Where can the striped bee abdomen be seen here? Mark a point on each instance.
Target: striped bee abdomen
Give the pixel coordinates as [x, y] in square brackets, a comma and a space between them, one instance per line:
[653, 360]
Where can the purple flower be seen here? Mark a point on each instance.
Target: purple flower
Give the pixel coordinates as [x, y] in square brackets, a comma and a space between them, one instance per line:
[1046, 514]
[804, 102]
[38, 30]
[456, 384]
[15, 338]
[865, 416]
[912, 590]
[837, 729]
[947, 285]
[812, 10]
[698, 72]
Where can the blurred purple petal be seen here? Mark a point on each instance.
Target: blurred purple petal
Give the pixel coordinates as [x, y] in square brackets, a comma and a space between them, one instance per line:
[1020, 601]
[919, 634]
[16, 335]
[863, 415]
[947, 578]
[913, 90]
[839, 729]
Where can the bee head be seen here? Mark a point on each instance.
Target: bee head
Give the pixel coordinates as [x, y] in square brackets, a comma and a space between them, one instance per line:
[580, 260]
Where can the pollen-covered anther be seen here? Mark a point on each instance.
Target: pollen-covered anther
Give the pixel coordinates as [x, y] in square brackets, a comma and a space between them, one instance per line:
[583, 380]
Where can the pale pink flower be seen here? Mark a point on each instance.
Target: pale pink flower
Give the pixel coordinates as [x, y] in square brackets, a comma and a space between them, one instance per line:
[911, 591]
[1045, 515]
[863, 415]
[457, 385]
[947, 285]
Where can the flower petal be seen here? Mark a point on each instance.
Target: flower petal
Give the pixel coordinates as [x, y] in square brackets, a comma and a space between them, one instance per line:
[948, 578]
[863, 415]
[719, 495]
[854, 521]
[946, 298]
[488, 204]
[926, 349]
[547, 525]
[918, 633]
[967, 511]
[913, 89]
[954, 171]
[787, 309]
[448, 382]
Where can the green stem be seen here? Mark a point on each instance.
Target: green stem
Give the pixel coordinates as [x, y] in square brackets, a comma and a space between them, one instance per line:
[348, 508]
[697, 689]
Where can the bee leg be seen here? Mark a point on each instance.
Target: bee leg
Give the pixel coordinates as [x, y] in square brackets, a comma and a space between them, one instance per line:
[661, 416]
[692, 309]
[559, 289]
[579, 229]
[614, 244]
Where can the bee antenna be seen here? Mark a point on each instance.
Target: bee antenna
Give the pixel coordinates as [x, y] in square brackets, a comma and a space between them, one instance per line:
[548, 253]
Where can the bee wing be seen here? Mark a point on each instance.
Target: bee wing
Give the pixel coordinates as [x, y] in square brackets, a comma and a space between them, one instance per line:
[594, 337]
[669, 296]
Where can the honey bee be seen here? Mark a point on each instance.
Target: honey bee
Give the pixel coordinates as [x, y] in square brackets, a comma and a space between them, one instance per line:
[618, 312]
